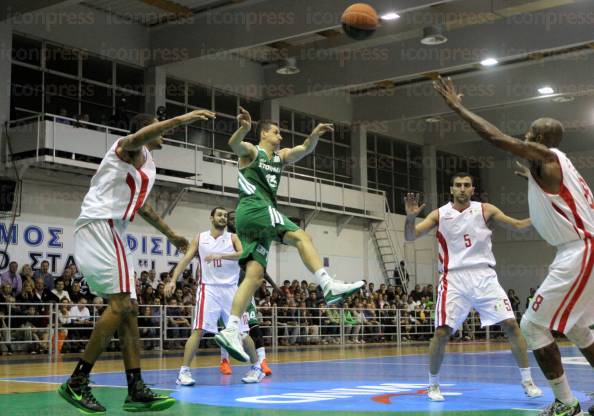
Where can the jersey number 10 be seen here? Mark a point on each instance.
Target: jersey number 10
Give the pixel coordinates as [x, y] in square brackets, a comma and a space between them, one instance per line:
[217, 263]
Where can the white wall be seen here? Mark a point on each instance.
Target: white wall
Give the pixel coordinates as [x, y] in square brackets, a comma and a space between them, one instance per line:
[86, 28]
[55, 200]
[334, 106]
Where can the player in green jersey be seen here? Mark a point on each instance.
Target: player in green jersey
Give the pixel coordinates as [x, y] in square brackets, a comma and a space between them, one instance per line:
[259, 222]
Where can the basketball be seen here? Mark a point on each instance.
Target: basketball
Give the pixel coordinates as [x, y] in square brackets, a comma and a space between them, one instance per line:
[359, 21]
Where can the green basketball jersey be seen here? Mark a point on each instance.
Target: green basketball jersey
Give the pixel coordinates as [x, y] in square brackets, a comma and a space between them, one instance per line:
[258, 182]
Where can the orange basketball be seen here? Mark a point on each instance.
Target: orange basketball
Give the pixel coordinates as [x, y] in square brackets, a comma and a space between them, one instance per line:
[359, 21]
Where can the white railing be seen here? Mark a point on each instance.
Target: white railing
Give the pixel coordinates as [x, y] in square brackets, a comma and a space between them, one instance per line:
[47, 328]
[58, 139]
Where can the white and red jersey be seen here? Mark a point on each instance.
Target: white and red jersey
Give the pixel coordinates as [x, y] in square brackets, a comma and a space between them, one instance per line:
[118, 189]
[217, 272]
[464, 238]
[567, 216]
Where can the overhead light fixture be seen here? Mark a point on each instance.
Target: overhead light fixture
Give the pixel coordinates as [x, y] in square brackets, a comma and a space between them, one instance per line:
[489, 62]
[432, 120]
[390, 16]
[546, 90]
[433, 35]
[288, 66]
[563, 98]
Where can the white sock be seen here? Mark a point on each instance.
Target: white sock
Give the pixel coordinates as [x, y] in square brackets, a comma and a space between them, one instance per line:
[433, 379]
[233, 322]
[224, 354]
[562, 391]
[183, 369]
[322, 277]
[261, 355]
[526, 375]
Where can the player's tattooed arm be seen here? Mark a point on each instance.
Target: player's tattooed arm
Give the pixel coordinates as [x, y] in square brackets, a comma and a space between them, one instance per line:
[527, 150]
[181, 266]
[239, 147]
[236, 255]
[135, 141]
[413, 231]
[295, 154]
[149, 215]
[505, 221]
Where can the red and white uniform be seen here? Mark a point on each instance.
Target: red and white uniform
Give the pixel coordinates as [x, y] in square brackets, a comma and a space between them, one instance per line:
[117, 192]
[467, 265]
[217, 284]
[566, 221]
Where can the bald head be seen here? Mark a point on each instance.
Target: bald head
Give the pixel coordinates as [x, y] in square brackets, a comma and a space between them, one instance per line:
[547, 131]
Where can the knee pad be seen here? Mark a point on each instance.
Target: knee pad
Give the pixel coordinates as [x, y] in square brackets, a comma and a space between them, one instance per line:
[581, 336]
[536, 336]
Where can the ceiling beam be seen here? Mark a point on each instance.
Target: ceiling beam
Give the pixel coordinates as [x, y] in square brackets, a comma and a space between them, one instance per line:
[29, 6]
[255, 24]
[505, 38]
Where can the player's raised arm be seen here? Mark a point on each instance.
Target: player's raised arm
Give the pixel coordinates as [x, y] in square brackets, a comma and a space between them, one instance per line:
[412, 231]
[149, 215]
[181, 266]
[153, 131]
[494, 213]
[528, 150]
[294, 154]
[241, 148]
[227, 256]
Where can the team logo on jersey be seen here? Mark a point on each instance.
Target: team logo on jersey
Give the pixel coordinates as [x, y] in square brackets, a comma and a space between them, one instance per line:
[262, 250]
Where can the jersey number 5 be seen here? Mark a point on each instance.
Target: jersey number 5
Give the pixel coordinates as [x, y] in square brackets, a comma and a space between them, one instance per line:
[467, 241]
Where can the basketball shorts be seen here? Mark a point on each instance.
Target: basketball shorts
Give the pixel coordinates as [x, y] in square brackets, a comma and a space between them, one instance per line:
[103, 257]
[213, 302]
[565, 297]
[461, 290]
[258, 225]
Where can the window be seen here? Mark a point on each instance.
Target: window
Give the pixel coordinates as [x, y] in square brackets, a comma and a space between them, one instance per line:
[199, 96]
[26, 50]
[129, 77]
[26, 90]
[253, 107]
[225, 103]
[175, 90]
[97, 69]
[60, 59]
[390, 168]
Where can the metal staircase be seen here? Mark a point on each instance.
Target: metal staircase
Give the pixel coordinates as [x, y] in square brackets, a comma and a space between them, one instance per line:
[388, 251]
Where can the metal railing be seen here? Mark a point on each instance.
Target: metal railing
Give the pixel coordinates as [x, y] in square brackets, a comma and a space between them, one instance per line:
[52, 328]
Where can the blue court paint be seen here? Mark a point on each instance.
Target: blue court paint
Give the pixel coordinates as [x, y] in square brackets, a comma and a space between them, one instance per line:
[477, 381]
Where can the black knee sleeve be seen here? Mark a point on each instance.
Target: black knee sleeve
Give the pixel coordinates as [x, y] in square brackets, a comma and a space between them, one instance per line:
[256, 334]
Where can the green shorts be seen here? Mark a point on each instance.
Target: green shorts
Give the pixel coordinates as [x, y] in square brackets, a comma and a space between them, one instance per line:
[258, 225]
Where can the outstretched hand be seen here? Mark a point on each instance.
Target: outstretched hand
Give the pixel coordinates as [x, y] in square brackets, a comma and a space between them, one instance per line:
[411, 204]
[322, 128]
[244, 119]
[445, 87]
[522, 170]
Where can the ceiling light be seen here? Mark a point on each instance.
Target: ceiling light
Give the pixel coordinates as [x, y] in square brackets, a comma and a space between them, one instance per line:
[288, 67]
[489, 62]
[432, 120]
[433, 35]
[390, 16]
[546, 90]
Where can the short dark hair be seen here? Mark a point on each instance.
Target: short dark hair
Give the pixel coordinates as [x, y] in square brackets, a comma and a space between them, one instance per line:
[214, 210]
[141, 120]
[461, 175]
[264, 125]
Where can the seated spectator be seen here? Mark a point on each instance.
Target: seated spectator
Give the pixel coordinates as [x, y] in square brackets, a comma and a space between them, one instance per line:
[331, 323]
[288, 325]
[352, 327]
[32, 330]
[417, 293]
[5, 292]
[44, 273]
[148, 296]
[428, 292]
[148, 326]
[59, 291]
[27, 274]
[80, 317]
[310, 330]
[74, 292]
[153, 280]
[176, 321]
[67, 279]
[13, 278]
[262, 292]
[304, 288]
[188, 295]
[63, 323]
[27, 295]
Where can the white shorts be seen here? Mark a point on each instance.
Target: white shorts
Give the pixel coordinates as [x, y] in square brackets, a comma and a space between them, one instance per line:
[213, 302]
[565, 297]
[104, 259]
[461, 290]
